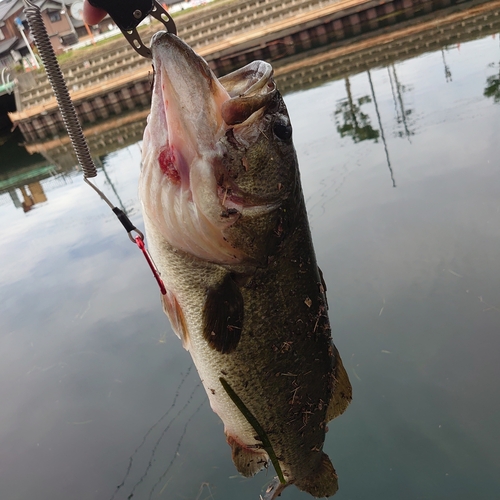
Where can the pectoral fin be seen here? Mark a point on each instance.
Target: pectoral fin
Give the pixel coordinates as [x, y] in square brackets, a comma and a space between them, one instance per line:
[342, 390]
[223, 316]
[174, 312]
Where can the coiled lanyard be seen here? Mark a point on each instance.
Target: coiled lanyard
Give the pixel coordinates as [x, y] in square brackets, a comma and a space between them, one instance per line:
[68, 112]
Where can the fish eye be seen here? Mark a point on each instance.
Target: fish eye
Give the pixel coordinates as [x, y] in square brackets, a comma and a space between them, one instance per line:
[282, 130]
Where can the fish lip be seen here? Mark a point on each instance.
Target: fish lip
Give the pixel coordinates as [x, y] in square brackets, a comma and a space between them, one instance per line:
[248, 80]
[251, 88]
[248, 89]
[185, 83]
[169, 40]
[253, 75]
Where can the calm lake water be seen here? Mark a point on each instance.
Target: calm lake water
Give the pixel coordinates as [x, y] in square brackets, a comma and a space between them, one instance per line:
[400, 168]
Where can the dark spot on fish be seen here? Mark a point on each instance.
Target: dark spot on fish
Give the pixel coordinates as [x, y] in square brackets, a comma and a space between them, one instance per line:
[152, 81]
[279, 228]
[228, 212]
[230, 137]
[166, 160]
[223, 316]
[274, 105]
[212, 391]
[224, 372]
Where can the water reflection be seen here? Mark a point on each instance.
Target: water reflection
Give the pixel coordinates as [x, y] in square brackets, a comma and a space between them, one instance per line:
[103, 138]
[98, 398]
[355, 123]
[35, 195]
[24, 185]
[493, 84]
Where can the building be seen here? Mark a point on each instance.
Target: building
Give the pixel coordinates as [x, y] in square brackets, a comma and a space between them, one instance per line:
[56, 16]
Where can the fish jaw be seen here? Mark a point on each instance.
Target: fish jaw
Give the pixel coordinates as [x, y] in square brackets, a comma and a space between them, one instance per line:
[183, 152]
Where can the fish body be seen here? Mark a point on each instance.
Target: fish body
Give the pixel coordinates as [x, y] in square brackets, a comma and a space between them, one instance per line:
[227, 227]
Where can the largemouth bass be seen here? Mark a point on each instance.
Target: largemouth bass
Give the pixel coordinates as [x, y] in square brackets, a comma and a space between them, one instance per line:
[227, 226]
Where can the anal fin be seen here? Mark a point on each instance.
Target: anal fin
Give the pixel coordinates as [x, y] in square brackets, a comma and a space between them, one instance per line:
[342, 390]
[248, 461]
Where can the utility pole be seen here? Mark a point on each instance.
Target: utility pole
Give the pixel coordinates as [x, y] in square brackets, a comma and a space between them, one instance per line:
[20, 27]
[64, 11]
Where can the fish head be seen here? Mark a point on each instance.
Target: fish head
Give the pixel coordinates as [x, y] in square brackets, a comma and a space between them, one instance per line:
[219, 169]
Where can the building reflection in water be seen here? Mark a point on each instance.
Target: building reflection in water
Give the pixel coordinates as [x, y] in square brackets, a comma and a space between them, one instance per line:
[32, 194]
[353, 113]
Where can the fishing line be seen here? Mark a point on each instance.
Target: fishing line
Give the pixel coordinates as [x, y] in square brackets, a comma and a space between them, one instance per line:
[153, 453]
[131, 459]
[176, 451]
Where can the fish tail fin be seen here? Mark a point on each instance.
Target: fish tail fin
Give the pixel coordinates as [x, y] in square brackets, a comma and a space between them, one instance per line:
[323, 482]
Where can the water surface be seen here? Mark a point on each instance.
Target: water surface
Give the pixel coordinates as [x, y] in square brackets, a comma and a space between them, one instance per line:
[401, 176]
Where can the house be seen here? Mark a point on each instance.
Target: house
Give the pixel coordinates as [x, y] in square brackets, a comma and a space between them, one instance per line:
[56, 16]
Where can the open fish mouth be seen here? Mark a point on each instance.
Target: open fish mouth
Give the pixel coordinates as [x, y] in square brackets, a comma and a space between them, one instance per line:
[184, 157]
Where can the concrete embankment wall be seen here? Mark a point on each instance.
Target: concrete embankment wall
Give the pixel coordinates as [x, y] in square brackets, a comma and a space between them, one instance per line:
[307, 70]
[228, 35]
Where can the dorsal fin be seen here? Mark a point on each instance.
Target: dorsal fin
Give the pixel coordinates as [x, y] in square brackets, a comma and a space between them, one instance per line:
[323, 286]
[223, 316]
[342, 390]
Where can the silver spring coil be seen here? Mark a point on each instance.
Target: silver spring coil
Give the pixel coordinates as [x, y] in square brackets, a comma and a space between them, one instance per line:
[56, 78]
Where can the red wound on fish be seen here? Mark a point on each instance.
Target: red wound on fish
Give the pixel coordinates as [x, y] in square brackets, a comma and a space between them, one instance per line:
[166, 159]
